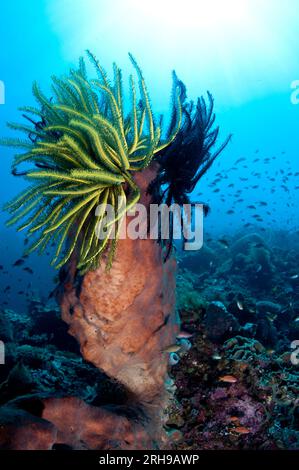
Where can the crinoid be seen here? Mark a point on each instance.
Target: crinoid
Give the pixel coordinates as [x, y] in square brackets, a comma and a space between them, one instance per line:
[84, 151]
[190, 155]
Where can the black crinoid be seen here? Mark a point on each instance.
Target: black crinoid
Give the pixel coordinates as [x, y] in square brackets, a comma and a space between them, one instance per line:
[189, 156]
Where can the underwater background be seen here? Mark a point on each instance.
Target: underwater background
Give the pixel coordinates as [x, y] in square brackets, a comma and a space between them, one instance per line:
[246, 53]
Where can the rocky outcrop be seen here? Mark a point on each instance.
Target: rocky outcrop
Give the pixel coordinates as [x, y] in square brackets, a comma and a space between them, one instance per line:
[20, 430]
[70, 423]
[81, 426]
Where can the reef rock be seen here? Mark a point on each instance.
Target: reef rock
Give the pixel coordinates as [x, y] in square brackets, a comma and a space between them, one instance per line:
[70, 423]
[20, 430]
[199, 260]
[219, 322]
[265, 306]
[243, 244]
[82, 426]
[6, 330]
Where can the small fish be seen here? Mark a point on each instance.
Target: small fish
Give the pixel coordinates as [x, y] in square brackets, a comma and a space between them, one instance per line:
[295, 276]
[258, 268]
[242, 430]
[223, 242]
[216, 357]
[173, 348]
[240, 305]
[230, 379]
[234, 419]
[174, 359]
[184, 334]
[1, 267]
[28, 270]
[271, 317]
[19, 262]
[242, 159]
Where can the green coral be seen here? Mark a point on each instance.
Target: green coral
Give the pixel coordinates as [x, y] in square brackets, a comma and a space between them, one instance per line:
[188, 298]
[85, 150]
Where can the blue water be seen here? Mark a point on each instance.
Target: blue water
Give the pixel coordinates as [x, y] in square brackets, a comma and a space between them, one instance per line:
[249, 71]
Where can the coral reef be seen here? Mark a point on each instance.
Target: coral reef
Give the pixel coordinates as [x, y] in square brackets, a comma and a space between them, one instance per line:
[231, 391]
[237, 389]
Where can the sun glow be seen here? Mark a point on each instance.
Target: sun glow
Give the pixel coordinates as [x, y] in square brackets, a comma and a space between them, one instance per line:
[245, 48]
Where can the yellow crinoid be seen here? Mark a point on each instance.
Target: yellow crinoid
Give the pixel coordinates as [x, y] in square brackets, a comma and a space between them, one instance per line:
[82, 152]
